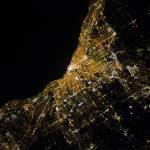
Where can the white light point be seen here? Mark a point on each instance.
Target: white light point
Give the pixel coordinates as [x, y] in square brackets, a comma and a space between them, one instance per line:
[77, 78]
[72, 67]
[34, 100]
[85, 57]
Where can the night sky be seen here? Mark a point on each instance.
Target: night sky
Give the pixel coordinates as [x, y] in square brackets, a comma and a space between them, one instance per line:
[38, 40]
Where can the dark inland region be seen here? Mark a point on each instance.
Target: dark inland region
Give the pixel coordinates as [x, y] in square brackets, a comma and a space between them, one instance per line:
[39, 38]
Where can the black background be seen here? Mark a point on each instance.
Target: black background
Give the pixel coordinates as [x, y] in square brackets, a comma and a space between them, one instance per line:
[38, 38]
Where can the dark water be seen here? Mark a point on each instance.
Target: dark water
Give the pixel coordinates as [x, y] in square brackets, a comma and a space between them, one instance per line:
[38, 40]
